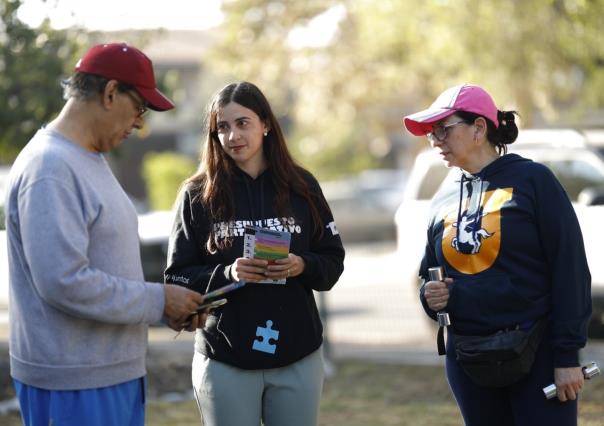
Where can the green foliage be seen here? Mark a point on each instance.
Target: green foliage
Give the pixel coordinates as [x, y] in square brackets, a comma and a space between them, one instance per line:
[345, 99]
[369, 393]
[32, 64]
[164, 173]
[543, 58]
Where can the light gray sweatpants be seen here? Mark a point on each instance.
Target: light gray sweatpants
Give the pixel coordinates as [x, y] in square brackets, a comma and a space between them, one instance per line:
[230, 396]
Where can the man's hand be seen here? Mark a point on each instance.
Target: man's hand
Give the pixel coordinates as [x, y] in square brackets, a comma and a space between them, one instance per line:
[569, 382]
[193, 322]
[180, 302]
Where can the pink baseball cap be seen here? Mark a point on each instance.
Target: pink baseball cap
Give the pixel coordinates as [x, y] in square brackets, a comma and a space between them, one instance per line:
[465, 97]
[126, 64]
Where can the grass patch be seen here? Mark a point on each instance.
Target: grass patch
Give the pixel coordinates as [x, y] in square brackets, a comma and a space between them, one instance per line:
[365, 393]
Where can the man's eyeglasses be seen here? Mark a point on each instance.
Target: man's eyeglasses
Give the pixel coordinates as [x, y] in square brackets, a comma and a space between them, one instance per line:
[140, 105]
[439, 133]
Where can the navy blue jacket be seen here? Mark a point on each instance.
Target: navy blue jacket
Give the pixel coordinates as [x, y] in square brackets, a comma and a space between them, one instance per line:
[510, 239]
[234, 332]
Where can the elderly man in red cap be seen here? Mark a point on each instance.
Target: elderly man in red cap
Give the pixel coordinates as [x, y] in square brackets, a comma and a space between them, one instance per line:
[79, 305]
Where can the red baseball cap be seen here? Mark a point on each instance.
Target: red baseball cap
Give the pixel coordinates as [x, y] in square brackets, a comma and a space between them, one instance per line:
[465, 97]
[126, 64]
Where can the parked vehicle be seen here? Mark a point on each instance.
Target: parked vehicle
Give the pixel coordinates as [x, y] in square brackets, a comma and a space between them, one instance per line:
[575, 163]
[363, 206]
[154, 231]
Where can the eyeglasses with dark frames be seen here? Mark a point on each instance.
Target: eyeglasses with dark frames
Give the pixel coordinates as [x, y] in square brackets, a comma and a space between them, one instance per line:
[140, 105]
[439, 133]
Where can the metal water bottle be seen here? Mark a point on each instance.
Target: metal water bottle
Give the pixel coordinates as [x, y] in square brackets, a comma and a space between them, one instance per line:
[590, 370]
[436, 273]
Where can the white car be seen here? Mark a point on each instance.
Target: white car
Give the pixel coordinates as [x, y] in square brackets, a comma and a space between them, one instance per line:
[579, 169]
[154, 232]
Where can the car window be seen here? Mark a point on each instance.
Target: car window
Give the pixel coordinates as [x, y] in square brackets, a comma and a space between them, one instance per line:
[576, 175]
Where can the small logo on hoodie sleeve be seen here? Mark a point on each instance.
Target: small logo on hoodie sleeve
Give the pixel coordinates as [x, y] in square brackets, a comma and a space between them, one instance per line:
[332, 227]
[177, 279]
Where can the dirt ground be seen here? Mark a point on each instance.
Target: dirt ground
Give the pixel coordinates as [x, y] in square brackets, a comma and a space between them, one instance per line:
[6, 386]
[169, 368]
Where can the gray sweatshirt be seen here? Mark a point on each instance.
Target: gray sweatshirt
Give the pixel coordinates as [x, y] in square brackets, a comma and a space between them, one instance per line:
[78, 303]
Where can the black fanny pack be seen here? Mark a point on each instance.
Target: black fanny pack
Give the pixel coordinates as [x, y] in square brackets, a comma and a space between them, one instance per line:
[500, 359]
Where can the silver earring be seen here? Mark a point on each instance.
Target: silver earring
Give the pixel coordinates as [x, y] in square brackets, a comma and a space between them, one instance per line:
[265, 133]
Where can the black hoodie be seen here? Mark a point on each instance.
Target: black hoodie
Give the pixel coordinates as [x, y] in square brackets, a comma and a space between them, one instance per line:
[237, 333]
[510, 239]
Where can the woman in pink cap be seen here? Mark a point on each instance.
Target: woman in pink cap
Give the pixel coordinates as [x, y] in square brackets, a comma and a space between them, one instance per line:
[508, 240]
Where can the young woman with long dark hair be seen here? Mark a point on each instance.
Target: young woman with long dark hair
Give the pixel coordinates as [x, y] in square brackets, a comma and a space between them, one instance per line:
[258, 357]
